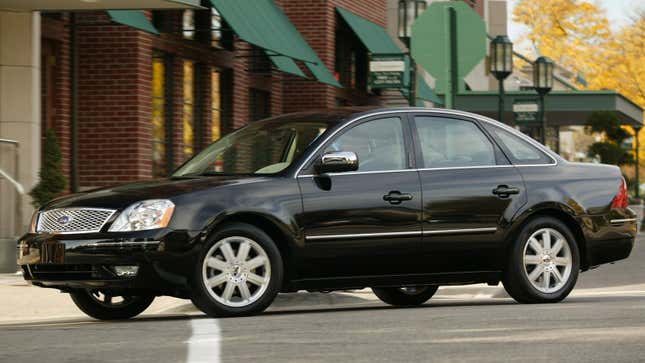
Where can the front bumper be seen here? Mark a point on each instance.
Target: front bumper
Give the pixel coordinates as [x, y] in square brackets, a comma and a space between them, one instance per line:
[165, 259]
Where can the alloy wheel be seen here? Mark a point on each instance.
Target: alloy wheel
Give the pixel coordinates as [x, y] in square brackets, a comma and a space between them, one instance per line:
[236, 271]
[413, 290]
[110, 300]
[547, 260]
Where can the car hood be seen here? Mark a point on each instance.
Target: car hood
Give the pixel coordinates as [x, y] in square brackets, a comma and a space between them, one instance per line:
[121, 196]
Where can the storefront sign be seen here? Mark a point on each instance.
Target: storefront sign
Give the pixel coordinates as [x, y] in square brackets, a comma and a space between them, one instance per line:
[386, 71]
[525, 111]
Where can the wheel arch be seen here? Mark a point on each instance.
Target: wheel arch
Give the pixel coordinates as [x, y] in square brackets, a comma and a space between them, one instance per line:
[284, 240]
[561, 213]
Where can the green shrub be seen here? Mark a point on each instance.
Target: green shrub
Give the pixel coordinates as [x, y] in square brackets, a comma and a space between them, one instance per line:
[52, 181]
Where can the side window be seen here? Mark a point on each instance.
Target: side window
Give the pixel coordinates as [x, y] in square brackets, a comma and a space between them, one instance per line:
[521, 152]
[449, 143]
[378, 144]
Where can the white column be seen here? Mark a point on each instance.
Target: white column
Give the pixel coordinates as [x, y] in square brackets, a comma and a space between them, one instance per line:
[19, 112]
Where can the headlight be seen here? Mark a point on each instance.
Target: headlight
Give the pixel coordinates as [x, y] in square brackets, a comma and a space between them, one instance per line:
[34, 221]
[147, 214]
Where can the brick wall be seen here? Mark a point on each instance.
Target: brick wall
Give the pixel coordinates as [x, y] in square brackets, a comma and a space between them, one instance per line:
[115, 80]
[114, 102]
[316, 20]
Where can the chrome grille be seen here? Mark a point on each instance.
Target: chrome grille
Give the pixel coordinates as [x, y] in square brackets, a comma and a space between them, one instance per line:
[73, 220]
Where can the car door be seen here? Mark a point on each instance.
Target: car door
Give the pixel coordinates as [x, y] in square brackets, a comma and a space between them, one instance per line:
[365, 222]
[470, 192]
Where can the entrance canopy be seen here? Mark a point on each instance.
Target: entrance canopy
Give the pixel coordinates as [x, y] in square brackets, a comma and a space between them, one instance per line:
[562, 107]
[71, 5]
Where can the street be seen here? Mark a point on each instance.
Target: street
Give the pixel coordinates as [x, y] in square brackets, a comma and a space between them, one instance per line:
[603, 320]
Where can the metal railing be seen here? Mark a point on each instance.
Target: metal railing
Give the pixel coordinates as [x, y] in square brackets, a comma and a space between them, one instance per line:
[19, 189]
[11, 225]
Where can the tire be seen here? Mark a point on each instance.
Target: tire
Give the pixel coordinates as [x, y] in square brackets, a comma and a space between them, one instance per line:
[99, 305]
[525, 275]
[240, 287]
[403, 296]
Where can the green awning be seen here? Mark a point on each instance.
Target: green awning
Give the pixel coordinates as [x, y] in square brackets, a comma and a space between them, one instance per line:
[133, 18]
[424, 91]
[322, 74]
[372, 35]
[263, 24]
[286, 64]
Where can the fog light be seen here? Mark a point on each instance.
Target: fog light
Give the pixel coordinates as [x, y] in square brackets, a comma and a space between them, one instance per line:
[126, 271]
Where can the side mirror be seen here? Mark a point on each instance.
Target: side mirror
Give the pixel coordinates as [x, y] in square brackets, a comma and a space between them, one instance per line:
[337, 162]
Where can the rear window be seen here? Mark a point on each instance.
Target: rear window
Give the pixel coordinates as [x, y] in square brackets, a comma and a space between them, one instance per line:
[520, 151]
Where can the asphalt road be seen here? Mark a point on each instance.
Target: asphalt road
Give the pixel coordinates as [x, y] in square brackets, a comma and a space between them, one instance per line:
[603, 321]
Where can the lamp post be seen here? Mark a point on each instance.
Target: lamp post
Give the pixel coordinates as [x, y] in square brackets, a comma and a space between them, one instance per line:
[637, 177]
[501, 65]
[542, 82]
[409, 10]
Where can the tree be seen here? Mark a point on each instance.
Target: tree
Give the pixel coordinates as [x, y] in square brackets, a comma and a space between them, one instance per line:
[610, 150]
[52, 181]
[576, 35]
[572, 33]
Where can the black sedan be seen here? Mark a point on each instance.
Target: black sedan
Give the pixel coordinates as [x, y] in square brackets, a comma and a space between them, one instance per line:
[399, 200]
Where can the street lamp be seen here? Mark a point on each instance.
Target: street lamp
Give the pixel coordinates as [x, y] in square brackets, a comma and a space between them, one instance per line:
[409, 10]
[501, 65]
[638, 187]
[543, 82]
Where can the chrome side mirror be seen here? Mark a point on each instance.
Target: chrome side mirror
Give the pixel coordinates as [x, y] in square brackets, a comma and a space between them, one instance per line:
[337, 162]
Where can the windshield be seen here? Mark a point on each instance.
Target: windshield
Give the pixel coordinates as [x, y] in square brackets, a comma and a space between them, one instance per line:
[264, 147]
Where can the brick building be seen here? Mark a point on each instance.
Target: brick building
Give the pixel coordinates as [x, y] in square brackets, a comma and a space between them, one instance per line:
[147, 101]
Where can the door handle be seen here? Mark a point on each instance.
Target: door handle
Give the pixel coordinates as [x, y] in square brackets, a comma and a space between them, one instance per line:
[396, 197]
[504, 191]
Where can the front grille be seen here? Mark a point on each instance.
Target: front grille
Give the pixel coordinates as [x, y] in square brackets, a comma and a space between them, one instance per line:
[73, 220]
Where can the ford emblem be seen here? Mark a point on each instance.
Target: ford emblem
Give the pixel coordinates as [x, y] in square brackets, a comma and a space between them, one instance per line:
[63, 220]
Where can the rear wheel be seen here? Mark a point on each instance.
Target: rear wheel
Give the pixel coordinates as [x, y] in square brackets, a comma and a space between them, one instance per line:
[107, 305]
[405, 296]
[544, 262]
[239, 273]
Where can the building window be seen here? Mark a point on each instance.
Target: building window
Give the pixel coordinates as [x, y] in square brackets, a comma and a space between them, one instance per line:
[260, 62]
[188, 24]
[189, 109]
[260, 104]
[216, 105]
[351, 66]
[159, 139]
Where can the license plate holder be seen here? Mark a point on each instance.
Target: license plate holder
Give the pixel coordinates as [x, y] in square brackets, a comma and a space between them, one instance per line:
[52, 253]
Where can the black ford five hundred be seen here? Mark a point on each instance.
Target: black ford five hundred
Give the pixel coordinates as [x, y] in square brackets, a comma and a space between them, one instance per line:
[399, 200]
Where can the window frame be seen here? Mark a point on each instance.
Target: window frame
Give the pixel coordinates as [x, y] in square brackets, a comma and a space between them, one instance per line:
[549, 160]
[410, 162]
[500, 157]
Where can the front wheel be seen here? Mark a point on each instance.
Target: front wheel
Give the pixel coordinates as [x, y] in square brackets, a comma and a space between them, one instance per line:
[543, 264]
[239, 272]
[405, 296]
[107, 305]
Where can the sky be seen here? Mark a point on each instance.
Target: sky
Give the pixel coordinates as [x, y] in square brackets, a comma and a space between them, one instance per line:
[618, 12]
